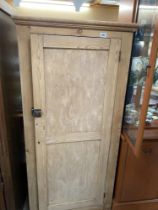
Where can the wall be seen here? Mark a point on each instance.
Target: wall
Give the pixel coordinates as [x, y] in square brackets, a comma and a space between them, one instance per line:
[101, 13]
[124, 13]
[126, 10]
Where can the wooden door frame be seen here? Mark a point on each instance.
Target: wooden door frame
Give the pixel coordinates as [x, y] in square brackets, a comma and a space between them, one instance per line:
[5, 157]
[113, 30]
[2, 198]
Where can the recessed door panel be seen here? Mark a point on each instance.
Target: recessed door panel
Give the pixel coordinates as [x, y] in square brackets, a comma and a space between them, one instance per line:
[75, 165]
[71, 104]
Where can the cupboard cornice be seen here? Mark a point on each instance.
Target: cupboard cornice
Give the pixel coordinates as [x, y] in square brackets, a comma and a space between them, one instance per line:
[95, 25]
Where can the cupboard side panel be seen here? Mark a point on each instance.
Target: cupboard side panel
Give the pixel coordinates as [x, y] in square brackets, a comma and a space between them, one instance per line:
[120, 169]
[117, 116]
[23, 33]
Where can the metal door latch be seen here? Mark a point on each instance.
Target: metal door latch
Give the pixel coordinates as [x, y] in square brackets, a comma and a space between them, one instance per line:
[36, 112]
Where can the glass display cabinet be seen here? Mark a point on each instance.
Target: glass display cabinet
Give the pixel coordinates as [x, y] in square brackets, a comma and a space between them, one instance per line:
[141, 107]
[136, 185]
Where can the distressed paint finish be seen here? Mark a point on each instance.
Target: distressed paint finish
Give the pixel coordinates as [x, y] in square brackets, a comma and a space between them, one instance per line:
[73, 172]
[71, 104]
[74, 102]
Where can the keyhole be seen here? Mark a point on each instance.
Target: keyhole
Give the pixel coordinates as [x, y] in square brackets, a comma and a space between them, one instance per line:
[79, 31]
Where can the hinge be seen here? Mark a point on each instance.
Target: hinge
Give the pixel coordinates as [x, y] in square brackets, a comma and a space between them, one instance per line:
[104, 195]
[120, 56]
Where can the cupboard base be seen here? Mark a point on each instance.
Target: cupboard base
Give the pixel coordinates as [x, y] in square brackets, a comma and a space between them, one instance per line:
[139, 205]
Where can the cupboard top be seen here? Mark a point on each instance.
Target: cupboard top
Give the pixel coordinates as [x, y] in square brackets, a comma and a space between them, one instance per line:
[98, 25]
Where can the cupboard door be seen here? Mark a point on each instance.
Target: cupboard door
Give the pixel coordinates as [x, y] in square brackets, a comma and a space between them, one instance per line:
[74, 84]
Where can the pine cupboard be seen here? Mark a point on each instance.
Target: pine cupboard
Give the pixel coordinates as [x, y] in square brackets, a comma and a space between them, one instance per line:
[73, 79]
